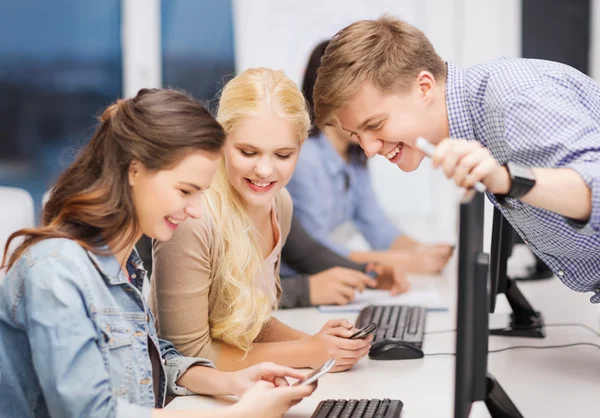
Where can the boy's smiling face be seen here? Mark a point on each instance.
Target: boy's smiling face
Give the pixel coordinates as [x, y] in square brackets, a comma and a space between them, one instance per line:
[388, 123]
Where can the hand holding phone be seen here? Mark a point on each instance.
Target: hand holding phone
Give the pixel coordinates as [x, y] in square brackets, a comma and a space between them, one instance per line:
[316, 374]
[363, 332]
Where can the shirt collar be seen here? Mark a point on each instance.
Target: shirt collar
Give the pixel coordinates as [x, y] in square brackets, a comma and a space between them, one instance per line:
[332, 161]
[459, 119]
[109, 266]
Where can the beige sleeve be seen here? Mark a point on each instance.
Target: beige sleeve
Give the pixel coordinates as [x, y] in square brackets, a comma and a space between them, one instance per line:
[180, 289]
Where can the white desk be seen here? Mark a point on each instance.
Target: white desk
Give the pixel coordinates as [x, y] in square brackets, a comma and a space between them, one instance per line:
[561, 382]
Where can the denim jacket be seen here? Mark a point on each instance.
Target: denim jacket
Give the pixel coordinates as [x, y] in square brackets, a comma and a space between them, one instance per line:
[76, 338]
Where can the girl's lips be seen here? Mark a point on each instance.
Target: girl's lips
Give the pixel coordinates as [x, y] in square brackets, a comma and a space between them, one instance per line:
[256, 188]
[170, 224]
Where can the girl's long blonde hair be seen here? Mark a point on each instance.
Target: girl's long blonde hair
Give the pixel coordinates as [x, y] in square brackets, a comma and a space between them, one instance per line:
[246, 306]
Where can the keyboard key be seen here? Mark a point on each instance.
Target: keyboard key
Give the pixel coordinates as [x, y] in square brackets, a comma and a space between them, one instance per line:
[395, 324]
[377, 314]
[349, 408]
[353, 408]
[337, 409]
[325, 408]
[401, 323]
[381, 410]
[371, 408]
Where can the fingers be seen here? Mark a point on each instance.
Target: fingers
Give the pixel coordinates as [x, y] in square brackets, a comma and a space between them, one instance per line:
[400, 287]
[298, 392]
[344, 293]
[280, 381]
[451, 153]
[400, 284]
[353, 345]
[347, 359]
[481, 171]
[334, 323]
[276, 371]
[358, 280]
[440, 152]
[347, 363]
[340, 332]
[263, 384]
[467, 163]
[443, 249]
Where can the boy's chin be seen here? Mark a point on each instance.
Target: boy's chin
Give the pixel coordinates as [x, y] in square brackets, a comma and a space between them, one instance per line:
[409, 166]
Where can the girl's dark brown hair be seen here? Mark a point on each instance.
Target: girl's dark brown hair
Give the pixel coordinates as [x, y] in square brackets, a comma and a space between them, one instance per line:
[308, 84]
[91, 202]
[355, 152]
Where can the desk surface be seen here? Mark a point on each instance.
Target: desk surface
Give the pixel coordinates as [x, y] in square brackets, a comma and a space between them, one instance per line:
[561, 382]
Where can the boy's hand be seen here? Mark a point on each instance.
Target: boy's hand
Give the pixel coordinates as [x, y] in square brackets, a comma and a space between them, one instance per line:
[467, 162]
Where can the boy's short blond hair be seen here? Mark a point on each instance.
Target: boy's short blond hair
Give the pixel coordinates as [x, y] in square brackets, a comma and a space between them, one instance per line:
[388, 52]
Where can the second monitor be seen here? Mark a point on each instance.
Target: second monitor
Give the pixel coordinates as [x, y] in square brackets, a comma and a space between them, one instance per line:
[525, 321]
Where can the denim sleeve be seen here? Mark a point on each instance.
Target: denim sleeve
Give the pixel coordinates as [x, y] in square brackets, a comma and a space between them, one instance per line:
[69, 365]
[369, 217]
[176, 365]
[309, 205]
[551, 120]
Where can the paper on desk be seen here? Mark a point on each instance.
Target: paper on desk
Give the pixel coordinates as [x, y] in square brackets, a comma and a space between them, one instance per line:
[426, 296]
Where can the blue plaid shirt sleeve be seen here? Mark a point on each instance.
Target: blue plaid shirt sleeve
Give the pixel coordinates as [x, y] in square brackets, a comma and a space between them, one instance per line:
[549, 124]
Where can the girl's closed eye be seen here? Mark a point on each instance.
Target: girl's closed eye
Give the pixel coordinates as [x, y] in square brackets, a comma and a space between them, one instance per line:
[375, 126]
[283, 156]
[185, 192]
[247, 153]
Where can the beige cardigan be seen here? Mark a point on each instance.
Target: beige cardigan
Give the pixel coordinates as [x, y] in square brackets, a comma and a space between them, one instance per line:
[181, 296]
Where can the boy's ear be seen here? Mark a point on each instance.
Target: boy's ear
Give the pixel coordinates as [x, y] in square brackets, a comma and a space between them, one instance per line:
[426, 83]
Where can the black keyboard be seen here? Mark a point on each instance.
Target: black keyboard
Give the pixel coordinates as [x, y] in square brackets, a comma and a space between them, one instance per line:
[354, 408]
[399, 333]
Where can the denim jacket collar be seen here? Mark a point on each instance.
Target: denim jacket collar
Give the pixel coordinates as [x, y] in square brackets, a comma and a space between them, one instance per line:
[110, 267]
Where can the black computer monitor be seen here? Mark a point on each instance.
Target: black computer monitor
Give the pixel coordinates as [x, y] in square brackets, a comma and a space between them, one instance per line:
[472, 381]
[525, 321]
[499, 253]
[472, 312]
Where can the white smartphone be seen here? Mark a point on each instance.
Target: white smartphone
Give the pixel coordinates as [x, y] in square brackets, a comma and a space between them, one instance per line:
[316, 374]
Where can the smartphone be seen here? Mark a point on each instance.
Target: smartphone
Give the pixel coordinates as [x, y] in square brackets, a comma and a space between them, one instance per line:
[316, 374]
[366, 330]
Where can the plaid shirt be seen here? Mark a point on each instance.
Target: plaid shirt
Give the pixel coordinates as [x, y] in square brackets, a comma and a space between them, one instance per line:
[539, 114]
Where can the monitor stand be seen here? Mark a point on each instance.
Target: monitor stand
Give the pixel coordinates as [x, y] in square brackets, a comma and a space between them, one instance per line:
[497, 401]
[525, 322]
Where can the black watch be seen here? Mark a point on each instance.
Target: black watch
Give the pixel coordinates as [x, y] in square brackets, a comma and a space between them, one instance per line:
[522, 181]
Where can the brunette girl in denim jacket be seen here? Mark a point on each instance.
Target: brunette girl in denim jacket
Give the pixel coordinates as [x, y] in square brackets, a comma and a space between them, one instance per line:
[76, 336]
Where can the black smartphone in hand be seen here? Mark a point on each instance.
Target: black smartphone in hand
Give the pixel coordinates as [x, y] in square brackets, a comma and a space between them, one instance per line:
[363, 332]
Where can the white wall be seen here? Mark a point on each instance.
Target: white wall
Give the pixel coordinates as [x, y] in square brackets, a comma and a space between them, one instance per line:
[281, 34]
[141, 49]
